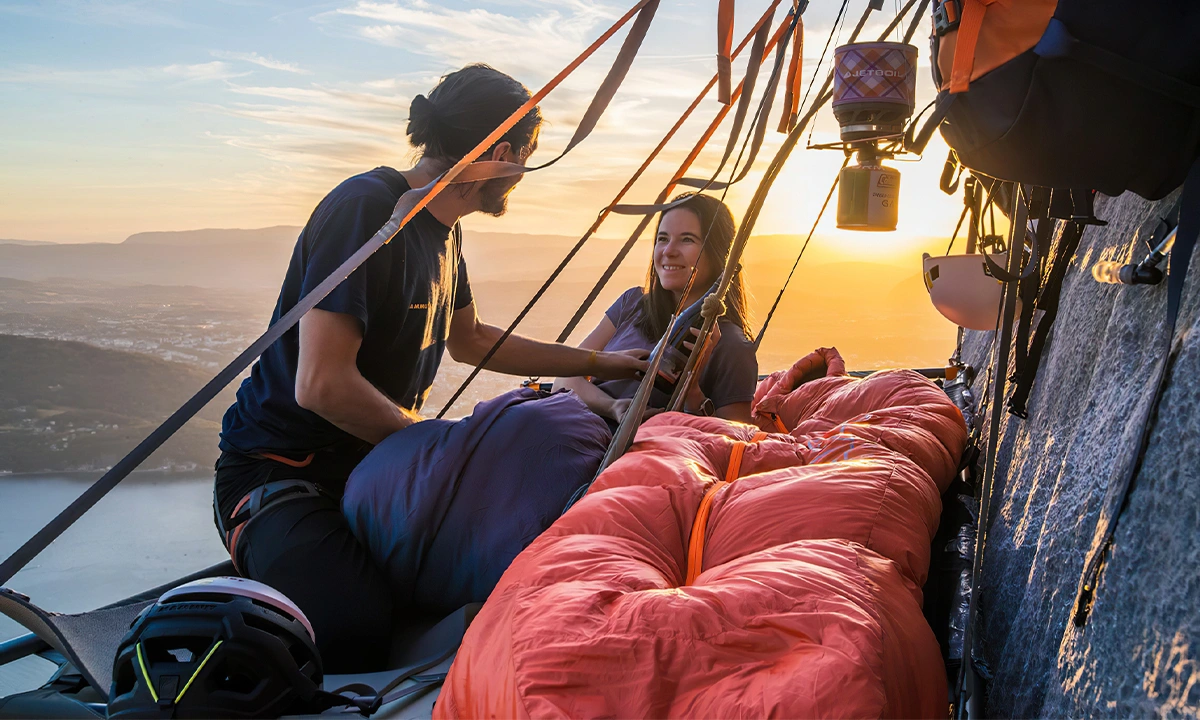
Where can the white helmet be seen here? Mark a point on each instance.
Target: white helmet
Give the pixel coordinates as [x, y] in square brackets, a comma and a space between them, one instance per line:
[964, 290]
[241, 587]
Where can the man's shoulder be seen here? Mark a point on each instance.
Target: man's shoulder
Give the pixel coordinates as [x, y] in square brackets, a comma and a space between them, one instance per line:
[382, 184]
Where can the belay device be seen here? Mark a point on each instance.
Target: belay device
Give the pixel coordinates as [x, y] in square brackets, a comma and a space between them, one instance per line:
[874, 95]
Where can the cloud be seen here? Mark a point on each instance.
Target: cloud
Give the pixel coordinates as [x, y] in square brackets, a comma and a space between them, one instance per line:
[215, 70]
[263, 61]
[529, 45]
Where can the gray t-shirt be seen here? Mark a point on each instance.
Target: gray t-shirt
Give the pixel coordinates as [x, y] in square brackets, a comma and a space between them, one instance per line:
[730, 376]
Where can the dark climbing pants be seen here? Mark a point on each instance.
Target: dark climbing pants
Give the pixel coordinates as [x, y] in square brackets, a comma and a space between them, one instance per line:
[304, 548]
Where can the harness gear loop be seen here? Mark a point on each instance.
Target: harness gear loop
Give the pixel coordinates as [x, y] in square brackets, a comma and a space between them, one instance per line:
[253, 503]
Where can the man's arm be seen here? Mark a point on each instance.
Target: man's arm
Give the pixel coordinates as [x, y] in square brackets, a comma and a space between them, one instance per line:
[596, 399]
[470, 340]
[329, 384]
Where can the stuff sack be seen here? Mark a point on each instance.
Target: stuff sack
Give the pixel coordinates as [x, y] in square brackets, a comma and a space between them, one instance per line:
[444, 506]
[1097, 95]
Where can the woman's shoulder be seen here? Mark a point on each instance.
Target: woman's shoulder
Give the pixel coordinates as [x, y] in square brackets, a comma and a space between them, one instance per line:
[734, 335]
[625, 306]
[735, 345]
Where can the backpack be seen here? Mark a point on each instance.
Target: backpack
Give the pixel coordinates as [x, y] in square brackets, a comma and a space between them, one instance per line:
[1081, 94]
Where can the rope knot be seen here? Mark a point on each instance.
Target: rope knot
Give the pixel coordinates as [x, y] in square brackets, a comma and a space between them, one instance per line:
[713, 307]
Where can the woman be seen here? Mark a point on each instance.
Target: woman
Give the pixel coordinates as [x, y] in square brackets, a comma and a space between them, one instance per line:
[641, 315]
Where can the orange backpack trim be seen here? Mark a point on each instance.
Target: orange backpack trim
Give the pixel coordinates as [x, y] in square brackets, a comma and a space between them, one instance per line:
[989, 34]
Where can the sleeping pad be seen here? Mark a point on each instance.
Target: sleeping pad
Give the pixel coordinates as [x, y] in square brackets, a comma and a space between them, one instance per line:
[717, 570]
[444, 506]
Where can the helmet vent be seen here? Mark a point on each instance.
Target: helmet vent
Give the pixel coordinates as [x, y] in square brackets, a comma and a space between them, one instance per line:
[125, 678]
[234, 678]
[176, 649]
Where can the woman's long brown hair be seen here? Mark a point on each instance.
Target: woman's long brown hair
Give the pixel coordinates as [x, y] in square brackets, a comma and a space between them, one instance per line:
[658, 304]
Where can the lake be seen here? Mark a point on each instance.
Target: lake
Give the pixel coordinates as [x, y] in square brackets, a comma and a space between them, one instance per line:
[151, 529]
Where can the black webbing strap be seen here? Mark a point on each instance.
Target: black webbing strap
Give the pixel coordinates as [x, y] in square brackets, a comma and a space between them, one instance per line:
[405, 208]
[1118, 497]
[775, 305]
[647, 215]
[1031, 284]
[758, 123]
[761, 119]
[1047, 302]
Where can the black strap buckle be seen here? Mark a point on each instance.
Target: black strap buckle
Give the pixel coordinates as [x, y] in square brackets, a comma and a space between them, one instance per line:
[946, 16]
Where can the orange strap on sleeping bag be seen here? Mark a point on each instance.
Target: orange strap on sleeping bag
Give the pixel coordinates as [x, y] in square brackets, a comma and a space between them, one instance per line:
[724, 50]
[695, 559]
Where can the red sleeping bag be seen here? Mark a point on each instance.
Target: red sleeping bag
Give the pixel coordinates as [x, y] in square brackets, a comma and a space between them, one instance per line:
[719, 571]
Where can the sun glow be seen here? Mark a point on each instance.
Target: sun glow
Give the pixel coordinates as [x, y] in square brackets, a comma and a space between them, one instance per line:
[926, 213]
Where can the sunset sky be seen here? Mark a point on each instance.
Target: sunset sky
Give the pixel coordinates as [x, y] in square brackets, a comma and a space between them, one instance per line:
[121, 117]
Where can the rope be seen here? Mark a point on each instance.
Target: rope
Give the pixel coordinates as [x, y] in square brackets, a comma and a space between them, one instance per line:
[771, 313]
[1000, 363]
[601, 217]
[466, 170]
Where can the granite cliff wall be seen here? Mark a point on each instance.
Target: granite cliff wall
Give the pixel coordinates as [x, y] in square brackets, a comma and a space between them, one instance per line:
[1136, 655]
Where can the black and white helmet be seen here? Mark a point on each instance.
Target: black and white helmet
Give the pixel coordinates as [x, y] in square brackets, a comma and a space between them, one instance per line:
[219, 647]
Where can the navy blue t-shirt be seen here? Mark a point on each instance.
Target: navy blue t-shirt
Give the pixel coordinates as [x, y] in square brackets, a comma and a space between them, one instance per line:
[403, 295]
[729, 377]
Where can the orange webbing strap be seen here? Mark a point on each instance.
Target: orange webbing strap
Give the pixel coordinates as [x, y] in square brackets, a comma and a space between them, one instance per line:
[287, 461]
[791, 104]
[965, 43]
[724, 46]
[695, 560]
[231, 538]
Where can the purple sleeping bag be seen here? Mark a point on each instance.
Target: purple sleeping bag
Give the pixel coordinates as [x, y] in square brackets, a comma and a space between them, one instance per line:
[445, 506]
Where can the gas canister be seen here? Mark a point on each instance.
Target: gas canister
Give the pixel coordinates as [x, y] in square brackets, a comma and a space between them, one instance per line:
[868, 197]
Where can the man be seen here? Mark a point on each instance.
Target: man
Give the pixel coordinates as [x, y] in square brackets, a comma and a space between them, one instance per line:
[359, 366]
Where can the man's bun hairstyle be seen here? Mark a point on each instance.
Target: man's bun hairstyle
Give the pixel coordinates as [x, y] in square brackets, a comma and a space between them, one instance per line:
[464, 108]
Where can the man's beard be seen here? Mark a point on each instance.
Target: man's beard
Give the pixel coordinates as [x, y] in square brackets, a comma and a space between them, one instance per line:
[493, 197]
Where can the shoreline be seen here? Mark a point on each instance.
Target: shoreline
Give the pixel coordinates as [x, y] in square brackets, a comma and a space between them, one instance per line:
[93, 475]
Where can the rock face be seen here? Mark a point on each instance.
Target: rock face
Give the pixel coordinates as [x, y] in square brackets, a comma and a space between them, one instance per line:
[1138, 653]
